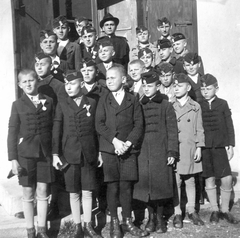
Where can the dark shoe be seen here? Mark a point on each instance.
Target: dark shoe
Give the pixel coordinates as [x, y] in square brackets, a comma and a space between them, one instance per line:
[53, 212]
[115, 229]
[89, 232]
[161, 225]
[214, 218]
[151, 224]
[31, 232]
[41, 232]
[78, 232]
[195, 218]
[128, 226]
[178, 221]
[229, 217]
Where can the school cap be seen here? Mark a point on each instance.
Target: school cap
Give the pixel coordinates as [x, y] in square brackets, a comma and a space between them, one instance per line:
[109, 17]
[164, 43]
[44, 34]
[208, 80]
[149, 77]
[177, 37]
[88, 29]
[180, 78]
[59, 21]
[87, 63]
[141, 29]
[163, 20]
[144, 51]
[72, 75]
[192, 58]
[104, 43]
[78, 20]
[164, 68]
[41, 55]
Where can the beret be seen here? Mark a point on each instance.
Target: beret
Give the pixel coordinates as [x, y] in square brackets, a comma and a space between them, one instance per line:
[192, 58]
[140, 29]
[144, 51]
[88, 29]
[208, 80]
[59, 21]
[180, 78]
[177, 37]
[72, 75]
[164, 43]
[163, 20]
[149, 77]
[109, 17]
[41, 55]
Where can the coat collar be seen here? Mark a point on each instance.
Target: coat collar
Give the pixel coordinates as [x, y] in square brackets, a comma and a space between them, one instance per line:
[157, 98]
[75, 107]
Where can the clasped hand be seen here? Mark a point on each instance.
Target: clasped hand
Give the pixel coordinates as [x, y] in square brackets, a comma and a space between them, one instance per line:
[120, 146]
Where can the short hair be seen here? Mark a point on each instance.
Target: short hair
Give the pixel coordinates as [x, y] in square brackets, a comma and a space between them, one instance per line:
[137, 61]
[26, 72]
[120, 68]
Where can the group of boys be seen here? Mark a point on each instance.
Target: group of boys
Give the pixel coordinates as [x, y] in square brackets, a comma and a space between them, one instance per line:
[80, 110]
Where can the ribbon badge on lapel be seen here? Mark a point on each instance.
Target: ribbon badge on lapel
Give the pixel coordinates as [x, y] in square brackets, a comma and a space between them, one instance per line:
[43, 102]
[87, 108]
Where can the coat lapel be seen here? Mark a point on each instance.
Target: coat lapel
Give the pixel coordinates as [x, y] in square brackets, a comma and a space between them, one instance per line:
[126, 103]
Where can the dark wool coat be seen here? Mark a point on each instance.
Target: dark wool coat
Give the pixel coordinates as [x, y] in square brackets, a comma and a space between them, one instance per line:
[160, 142]
[30, 128]
[217, 123]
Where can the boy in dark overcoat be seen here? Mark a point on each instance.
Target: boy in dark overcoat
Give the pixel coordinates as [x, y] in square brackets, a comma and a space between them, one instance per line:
[29, 149]
[158, 152]
[119, 123]
[220, 140]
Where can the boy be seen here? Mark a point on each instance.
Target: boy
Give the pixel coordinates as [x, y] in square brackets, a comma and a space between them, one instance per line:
[143, 43]
[119, 123]
[109, 25]
[67, 51]
[146, 55]
[80, 22]
[158, 152]
[135, 69]
[192, 65]
[220, 140]
[165, 71]
[74, 138]
[164, 27]
[106, 54]
[191, 139]
[29, 149]
[179, 43]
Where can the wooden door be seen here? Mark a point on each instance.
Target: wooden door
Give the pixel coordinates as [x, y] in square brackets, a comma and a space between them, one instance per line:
[181, 13]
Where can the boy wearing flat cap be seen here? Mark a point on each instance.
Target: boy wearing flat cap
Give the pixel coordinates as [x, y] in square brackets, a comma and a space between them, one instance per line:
[142, 34]
[109, 25]
[74, 138]
[158, 152]
[218, 151]
[67, 51]
[191, 140]
[164, 26]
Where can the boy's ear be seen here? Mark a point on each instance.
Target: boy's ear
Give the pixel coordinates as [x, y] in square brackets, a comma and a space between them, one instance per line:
[54, 30]
[113, 52]
[184, 66]
[189, 87]
[199, 64]
[124, 79]
[82, 84]
[158, 28]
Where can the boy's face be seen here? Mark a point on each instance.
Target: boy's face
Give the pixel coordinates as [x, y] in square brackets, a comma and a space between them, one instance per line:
[147, 59]
[164, 29]
[49, 45]
[142, 37]
[209, 92]
[43, 67]
[109, 27]
[192, 69]
[62, 31]
[73, 87]
[79, 26]
[89, 74]
[106, 53]
[165, 53]
[135, 71]
[179, 46]
[114, 79]
[150, 89]
[28, 83]
[181, 89]
[166, 79]
[89, 39]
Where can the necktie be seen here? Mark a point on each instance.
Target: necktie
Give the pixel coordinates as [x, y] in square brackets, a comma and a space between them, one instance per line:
[77, 100]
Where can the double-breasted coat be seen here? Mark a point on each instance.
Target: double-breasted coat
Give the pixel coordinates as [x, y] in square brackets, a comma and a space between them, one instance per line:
[190, 135]
[160, 141]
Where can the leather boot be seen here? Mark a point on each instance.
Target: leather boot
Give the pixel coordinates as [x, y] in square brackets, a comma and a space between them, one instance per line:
[115, 229]
[31, 232]
[89, 231]
[128, 226]
[78, 232]
[161, 224]
[41, 232]
[151, 224]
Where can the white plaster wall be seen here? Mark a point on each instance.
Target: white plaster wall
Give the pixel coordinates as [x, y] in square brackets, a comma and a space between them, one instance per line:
[7, 81]
[219, 47]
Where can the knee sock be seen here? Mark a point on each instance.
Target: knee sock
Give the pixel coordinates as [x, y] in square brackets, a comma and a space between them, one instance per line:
[126, 198]
[28, 209]
[87, 205]
[42, 206]
[225, 199]
[212, 196]
[75, 207]
[112, 197]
